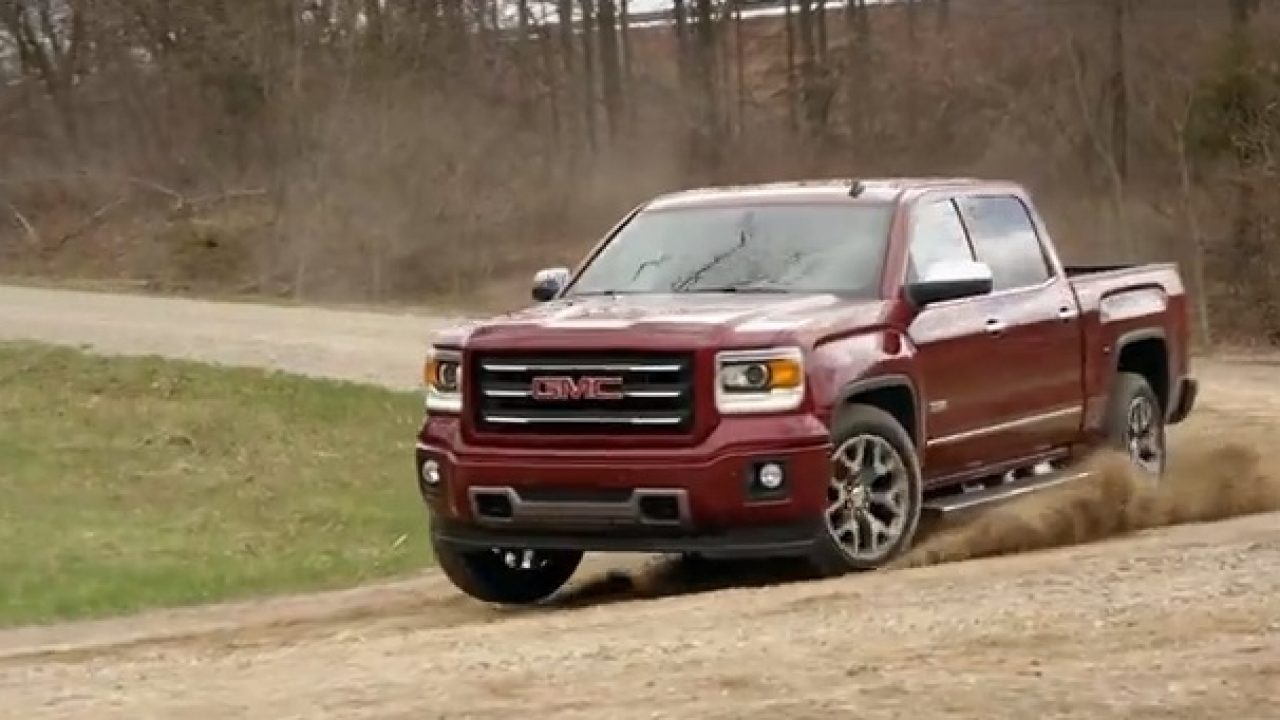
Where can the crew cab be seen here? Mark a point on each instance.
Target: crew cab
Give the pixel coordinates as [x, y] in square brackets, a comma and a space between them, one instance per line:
[797, 369]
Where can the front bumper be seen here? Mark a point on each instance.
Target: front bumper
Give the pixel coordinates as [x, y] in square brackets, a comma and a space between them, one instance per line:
[785, 540]
[702, 498]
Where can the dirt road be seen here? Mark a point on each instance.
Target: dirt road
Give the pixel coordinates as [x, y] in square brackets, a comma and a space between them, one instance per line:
[1179, 622]
[370, 347]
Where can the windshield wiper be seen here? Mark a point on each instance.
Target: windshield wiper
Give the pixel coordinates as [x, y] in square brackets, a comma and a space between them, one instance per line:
[763, 289]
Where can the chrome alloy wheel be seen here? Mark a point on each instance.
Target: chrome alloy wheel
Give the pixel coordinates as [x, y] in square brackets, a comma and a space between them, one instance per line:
[521, 560]
[1142, 436]
[867, 500]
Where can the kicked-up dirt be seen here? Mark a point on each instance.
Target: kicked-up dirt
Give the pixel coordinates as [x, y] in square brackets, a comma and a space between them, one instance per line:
[1104, 599]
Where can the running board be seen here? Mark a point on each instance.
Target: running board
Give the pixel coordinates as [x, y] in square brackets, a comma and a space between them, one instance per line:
[985, 495]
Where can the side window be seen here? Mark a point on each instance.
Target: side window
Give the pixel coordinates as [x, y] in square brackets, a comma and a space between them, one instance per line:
[936, 234]
[1005, 238]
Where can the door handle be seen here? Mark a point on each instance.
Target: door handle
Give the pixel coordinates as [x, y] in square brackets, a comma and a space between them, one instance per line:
[995, 326]
[1066, 312]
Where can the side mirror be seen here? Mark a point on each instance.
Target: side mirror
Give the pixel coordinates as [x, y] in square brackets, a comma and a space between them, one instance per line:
[549, 282]
[950, 280]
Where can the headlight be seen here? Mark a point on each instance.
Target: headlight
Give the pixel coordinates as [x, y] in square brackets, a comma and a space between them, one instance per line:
[442, 375]
[759, 381]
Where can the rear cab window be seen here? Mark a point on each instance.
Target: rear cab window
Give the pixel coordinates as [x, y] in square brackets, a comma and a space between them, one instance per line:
[1005, 238]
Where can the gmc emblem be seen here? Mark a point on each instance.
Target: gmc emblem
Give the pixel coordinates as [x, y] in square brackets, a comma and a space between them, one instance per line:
[583, 388]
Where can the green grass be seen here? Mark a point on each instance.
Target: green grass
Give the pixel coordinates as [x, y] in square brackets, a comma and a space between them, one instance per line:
[135, 483]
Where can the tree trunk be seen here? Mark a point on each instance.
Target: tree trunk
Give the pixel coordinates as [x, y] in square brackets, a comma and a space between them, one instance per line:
[1195, 234]
[791, 66]
[374, 30]
[551, 69]
[568, 58]
[681, 15]
[627, 76]
[1250, 250]
[740, 62]
[1120, 87]
[808, 67]
[610, 67]
[589, 70]
[708, 97]
[821, 10]
[858, 31]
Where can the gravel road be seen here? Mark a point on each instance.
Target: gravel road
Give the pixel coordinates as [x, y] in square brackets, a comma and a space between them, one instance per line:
[364, 346]
[1171, 622]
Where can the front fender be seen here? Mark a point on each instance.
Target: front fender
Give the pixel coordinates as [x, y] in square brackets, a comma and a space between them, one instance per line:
[858, 363]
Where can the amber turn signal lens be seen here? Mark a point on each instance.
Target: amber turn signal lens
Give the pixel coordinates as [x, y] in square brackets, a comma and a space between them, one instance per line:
[442, 374]
[784, 374]
[431, 372]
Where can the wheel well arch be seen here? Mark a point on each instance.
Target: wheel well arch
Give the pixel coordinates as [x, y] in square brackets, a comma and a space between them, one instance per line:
[1146, 353]
[894, 394]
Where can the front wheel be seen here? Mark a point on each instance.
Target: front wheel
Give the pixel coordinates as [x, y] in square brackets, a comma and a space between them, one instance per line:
[504, 575]
[874, 493]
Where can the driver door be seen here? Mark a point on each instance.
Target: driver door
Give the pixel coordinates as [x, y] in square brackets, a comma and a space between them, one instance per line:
[955, 353]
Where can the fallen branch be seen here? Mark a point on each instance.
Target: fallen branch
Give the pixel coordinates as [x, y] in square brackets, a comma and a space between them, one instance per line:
[90, 222]
[33, 237]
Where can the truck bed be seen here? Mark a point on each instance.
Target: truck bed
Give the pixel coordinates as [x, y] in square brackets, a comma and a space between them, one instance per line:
[1094, 282]
[1120, 302]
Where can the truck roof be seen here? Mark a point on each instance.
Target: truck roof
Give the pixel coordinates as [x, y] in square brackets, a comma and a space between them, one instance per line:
[818, 190]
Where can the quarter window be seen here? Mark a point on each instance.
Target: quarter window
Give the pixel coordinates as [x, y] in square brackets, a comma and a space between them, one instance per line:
[1005, 239]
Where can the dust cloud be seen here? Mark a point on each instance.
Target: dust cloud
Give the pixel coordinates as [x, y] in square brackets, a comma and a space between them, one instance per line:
[1204, 483]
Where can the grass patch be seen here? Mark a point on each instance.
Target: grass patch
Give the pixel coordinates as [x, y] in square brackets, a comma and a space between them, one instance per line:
[129, 483]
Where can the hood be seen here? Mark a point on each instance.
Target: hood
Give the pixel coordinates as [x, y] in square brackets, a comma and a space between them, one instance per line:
[672, 321]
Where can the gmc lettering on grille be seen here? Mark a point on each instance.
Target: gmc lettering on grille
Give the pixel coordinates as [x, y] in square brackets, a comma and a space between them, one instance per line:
[583, 388]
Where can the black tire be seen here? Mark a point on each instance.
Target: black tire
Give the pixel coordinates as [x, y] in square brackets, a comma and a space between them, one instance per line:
[488, 575]
[831, 556]
[1148, 453]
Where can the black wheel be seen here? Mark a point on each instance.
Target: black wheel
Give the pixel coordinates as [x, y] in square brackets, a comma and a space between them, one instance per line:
[506, 575]
[1135, 423]
[873, 495]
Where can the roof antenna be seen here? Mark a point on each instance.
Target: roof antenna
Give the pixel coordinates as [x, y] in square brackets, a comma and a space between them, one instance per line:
[857, 188]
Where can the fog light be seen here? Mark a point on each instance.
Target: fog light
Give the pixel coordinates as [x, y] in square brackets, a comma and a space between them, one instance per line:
[431, 472]
[770, 476]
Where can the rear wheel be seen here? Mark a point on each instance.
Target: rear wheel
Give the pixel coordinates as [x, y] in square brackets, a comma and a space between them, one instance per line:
[506, 575]
[873, 493]
[1135, 424]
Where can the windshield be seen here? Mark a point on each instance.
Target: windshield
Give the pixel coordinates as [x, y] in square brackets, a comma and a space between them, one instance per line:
[765, 248]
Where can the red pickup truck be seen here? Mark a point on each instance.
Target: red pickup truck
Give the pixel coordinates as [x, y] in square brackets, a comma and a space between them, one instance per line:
[798, 369]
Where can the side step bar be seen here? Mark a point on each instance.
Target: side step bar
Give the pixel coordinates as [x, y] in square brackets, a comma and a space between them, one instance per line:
[1008, 490]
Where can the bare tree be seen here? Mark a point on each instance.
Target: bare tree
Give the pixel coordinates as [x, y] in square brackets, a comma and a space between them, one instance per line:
[611, 67]
[789, 23]
[1120, 88]
[627, 74]
[589, 70]
[52, 43]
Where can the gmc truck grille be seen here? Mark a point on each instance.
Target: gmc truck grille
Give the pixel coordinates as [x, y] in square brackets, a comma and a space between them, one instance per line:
[579, 393]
